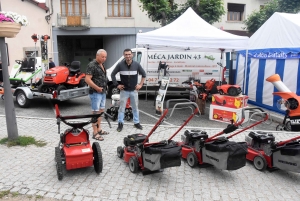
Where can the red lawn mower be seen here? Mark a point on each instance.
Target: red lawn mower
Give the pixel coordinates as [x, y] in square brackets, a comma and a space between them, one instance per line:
[198, 148]
[74, 149]
[63, 77]
[266, 153]
[139, 153]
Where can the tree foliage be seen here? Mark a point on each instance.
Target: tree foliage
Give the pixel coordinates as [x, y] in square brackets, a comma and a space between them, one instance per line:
[258, 18]
[166, 11]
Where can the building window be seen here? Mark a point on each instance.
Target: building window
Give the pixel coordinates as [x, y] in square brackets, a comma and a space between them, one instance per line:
[235, 12]
[73, 7]
[119, 8]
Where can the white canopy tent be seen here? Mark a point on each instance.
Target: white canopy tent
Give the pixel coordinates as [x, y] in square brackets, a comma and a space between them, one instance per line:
[191, 32]
[273, 49]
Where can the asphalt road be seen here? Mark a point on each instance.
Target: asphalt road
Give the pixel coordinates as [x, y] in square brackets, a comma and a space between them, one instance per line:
[44, 108]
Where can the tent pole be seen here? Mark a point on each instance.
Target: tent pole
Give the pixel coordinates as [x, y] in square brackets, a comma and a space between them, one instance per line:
[245, 71]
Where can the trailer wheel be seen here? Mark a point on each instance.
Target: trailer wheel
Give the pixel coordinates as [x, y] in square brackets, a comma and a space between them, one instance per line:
[260, 163]
[98, 161]
[61, 88]
[133, 164]
[59, 165]
[192, 159]
[22, 100]
[120, 152]
[232, 91]
[112, 89]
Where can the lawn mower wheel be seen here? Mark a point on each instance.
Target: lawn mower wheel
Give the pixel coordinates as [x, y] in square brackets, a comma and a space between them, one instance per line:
[192, 159]
[133, 164]
[98, 161]
[59, 165]
[120, 152]
[260, 163]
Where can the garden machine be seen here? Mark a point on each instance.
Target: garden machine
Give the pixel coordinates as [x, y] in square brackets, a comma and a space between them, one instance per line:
[290, 101]
[266, 153]
[74, 149]
[217, 150]
[114, 109]
[62, 78]
[139, 153]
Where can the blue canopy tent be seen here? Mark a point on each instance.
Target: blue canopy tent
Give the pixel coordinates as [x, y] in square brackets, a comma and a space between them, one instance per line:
[273, 49]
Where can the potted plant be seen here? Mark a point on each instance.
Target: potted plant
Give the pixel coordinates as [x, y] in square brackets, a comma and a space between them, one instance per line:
[10, 24]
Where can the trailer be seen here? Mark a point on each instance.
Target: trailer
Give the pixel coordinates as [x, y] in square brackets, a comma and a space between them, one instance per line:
[24, 95]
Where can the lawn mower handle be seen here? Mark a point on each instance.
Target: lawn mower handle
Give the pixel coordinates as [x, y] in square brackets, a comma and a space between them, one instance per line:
[93, 119]
[186, 102]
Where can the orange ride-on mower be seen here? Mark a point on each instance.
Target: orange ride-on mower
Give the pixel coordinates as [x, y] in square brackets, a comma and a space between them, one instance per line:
[139, 153]
[231, 90]
[198, 148]
[62, 77]
[74, 149]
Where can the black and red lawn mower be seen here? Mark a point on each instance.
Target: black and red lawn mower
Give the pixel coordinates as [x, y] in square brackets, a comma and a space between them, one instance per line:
[217, 150]
[74, 149]
[139, 153]
[266, 153]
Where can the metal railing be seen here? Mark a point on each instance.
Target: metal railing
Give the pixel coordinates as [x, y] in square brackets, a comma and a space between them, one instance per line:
[65, 20]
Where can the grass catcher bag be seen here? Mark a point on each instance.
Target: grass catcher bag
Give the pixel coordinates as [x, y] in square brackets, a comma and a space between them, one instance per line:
[224, 154]
[160, 156]
[287, 157]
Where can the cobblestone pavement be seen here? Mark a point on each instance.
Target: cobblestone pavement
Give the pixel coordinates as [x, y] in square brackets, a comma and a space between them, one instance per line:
[31, 171]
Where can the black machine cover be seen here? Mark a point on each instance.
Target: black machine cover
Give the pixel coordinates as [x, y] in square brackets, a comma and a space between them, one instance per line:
[132, 140]
[262, 137]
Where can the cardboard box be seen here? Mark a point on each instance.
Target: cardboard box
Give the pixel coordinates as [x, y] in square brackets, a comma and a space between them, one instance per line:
[235, 102]
[226, 114]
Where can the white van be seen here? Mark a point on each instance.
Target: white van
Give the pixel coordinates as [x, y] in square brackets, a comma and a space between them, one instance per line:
[182, 66]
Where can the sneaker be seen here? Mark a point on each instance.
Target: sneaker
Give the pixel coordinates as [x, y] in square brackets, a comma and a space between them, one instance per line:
[120, 127]
[138, 126]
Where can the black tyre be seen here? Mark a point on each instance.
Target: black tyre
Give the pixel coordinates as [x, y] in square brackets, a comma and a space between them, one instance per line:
[232, 91]
[221, 92]
[43, 88]
[82, 83]
[192, 159]
[60, 88]
[22, 100]
[120, 152]
[59, 165]
[112, 89]
[288, 126]
[260, 163]
[133, 164]
[2, 97]
[98, 161]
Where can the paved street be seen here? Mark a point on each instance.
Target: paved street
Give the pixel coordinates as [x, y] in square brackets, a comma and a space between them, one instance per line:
[31, 170]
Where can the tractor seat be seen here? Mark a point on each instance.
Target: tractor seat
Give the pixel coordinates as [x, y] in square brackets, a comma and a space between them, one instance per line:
[74, 67]
[28, 66]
